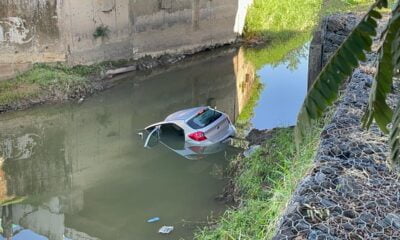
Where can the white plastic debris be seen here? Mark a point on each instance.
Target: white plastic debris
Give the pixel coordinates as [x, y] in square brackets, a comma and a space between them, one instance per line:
[251, 150]
[166, 229]
[153, 220]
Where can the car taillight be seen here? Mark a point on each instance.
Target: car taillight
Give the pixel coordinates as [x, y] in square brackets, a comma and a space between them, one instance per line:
[198, 136]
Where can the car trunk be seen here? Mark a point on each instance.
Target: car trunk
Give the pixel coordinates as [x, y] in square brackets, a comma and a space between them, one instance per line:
[216, 131]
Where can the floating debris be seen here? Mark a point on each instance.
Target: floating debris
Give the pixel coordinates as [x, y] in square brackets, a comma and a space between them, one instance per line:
[154, 219]
[166, 229]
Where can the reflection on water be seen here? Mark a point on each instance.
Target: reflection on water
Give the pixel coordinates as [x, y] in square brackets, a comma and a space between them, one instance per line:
[81, 172]
[285, 86]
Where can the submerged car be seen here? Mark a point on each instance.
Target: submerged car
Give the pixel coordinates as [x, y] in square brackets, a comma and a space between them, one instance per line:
[199, 126]
[189, 151]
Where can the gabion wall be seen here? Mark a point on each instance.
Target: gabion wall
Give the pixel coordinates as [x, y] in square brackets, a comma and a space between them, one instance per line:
[350, 193]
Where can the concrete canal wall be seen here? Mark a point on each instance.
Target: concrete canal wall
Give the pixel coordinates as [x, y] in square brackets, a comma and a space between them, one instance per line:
[63, 30]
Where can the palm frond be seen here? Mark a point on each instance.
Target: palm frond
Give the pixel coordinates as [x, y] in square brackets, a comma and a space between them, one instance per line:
[389, 54]
[340, 66]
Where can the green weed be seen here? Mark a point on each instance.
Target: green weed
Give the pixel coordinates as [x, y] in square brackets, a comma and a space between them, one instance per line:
[40, 80]
[287, 25]
[101, 32]
[266, 180]
[274, 19]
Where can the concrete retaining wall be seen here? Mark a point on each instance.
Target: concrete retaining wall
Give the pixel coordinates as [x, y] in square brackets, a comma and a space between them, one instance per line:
[62, 30]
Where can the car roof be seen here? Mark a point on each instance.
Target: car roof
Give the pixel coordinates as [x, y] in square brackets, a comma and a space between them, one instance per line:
[185, 114]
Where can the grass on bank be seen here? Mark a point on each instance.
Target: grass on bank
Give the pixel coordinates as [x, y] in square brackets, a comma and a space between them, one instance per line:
[287, 25]
[334, 6]
[266, 181]
[276, 19]
[38, 80]
[283, 25]
[42, 79]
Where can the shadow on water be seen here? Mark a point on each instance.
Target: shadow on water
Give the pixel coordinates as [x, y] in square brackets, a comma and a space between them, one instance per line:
[81, 172]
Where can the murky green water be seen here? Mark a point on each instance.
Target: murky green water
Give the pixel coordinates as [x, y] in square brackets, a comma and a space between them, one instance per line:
[79, 171]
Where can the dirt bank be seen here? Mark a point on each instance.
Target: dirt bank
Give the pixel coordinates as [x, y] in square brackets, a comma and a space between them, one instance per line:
[75, 84]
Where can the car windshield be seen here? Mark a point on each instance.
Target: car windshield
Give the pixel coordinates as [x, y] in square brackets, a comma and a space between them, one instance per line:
[204, 118]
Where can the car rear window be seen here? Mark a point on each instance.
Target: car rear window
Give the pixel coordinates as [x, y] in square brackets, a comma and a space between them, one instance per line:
[204, 118]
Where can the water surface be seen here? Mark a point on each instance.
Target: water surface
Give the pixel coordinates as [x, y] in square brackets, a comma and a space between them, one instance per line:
[285, 86]
[80, 171]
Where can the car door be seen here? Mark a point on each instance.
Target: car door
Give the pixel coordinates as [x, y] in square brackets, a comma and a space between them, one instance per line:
[152, 126]
[153, 137]
[154, 132]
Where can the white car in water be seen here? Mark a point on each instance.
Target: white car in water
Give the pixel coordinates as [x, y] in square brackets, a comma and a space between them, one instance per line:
[199, 126]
